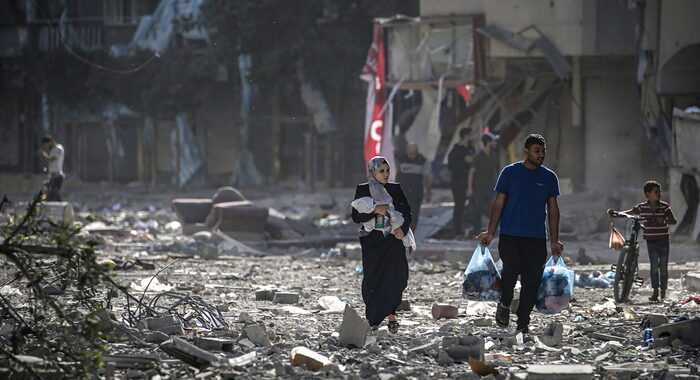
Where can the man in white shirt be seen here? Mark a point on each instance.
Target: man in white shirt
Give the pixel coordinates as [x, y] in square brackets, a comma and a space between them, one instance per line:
[53, 152]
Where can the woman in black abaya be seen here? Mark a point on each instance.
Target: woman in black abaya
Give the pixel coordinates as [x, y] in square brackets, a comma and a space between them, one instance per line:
[384, 261]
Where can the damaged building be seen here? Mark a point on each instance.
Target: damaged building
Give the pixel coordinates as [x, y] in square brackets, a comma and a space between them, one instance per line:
[601, 80]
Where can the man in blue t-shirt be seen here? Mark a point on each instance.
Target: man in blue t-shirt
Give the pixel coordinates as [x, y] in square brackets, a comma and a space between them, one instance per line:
[526, 197]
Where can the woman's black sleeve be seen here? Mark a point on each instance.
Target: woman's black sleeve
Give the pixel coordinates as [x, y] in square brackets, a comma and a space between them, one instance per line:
[402, 206]
[360, 217]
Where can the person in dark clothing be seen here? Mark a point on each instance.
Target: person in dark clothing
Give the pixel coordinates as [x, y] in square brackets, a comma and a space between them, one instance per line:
[414, 177]
[526, 196]
[384, 264]
[459, 162]
[482, 178]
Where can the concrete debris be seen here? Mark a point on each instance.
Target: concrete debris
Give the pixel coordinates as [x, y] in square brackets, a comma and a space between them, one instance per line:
[553, 335]
[559, 371]
[189, 353]
[168, 324]
[444, 311]
[464, 347]
[289, 302]
[285, 297]
[353, 330]
[257, 335]
[304, 356]
[686, 330]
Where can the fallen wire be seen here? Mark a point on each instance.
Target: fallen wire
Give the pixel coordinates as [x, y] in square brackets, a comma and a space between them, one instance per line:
[190, 310]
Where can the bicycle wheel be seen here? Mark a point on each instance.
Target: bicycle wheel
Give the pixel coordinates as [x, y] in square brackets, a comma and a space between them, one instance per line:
[624, 275]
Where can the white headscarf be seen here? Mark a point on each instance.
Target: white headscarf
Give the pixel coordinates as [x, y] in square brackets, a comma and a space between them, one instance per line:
[376, 189]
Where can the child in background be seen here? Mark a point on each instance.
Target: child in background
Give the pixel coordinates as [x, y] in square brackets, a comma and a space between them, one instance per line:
[658, 216]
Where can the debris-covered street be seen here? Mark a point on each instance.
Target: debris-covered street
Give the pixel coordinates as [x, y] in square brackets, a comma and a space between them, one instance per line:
[202, 307]
[357, 189]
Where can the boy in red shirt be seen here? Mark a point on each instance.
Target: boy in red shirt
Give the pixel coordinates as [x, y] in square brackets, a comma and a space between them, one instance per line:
[658, 217]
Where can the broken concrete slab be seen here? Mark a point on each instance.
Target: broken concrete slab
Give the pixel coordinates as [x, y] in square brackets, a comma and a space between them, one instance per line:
[653, 320]
[285, 297]
[257, 335]
[191, 210]
[560, 371]
[189, 353]
[264, 294]
[243, 360]
[688, 331]
[553, 335]
[240, 216]
[353, 329]
[304, 356]
[444, 311]
[606, 337]
[211, 343]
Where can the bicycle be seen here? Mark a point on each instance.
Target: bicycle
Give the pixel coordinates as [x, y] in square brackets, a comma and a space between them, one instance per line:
[627, 263]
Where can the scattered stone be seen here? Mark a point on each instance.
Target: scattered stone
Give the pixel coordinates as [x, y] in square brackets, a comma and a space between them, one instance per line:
[189, 353]
[215, 344]
[653, 320]
[156, 337]
[559, 371]
[304, 356]
[444, 311]
[257, 335]
[606, 337]
[264, 294]
[245, 317]
[553, 335]
[462, 348]
[243, 360]
[483, 322]
[285, 298]
[444, 358]
[168, 324]
[353, 330]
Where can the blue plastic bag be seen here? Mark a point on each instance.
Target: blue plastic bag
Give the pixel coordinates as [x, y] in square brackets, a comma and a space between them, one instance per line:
[556, 287]
[482, 280]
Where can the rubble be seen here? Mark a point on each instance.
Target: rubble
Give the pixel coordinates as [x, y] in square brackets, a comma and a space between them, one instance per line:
[353, 330]
[260, 310]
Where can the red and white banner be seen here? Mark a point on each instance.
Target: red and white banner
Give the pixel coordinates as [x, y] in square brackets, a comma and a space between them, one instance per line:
[377, 137]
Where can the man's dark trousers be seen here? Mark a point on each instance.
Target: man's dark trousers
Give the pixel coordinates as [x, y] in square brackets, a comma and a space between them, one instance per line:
[459, 194]
[53, 188]
[525, 257]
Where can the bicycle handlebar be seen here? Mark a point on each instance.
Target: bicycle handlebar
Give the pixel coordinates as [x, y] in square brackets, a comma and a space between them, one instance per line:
[628, 216]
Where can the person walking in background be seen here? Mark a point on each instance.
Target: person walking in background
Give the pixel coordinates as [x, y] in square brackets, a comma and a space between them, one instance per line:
[526, 197]
[384, 264]
[414, 177]
[459, 162]
[53, 152]
[482, 179]
[658, 216]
